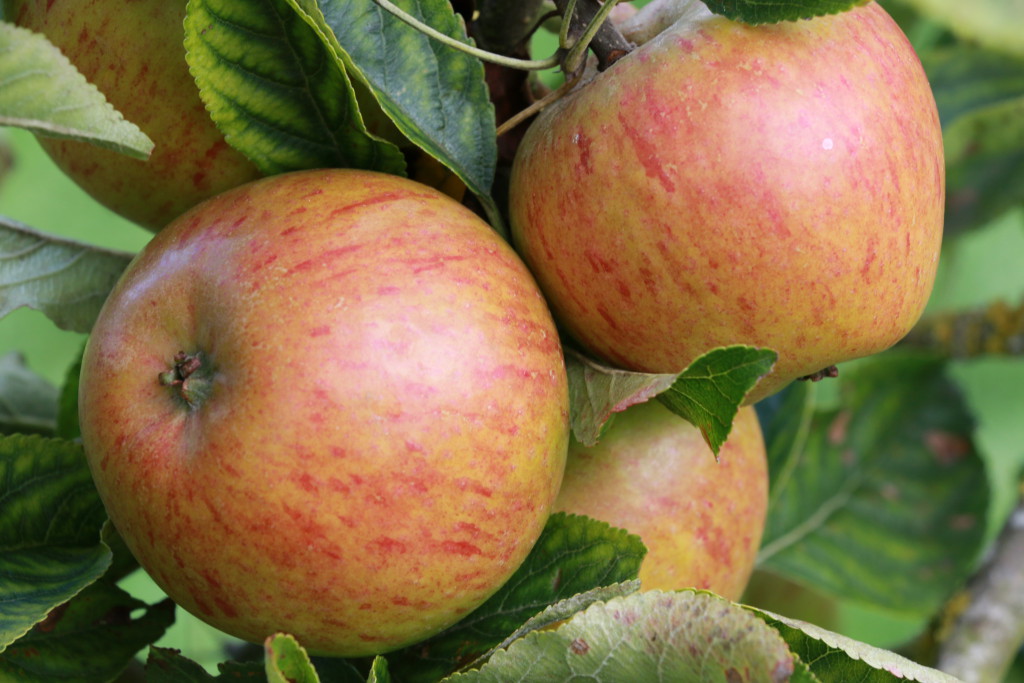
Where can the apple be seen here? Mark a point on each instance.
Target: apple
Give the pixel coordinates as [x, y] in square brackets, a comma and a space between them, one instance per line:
[653, 474]
[133, 52]
[780, 186]
[331, 403]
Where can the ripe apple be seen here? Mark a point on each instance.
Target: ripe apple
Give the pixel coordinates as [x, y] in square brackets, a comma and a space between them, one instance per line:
[653, 474]
[132, 50]
[780, 186]
[331, 403]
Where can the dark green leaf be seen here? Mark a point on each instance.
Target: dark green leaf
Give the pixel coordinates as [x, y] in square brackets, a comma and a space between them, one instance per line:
[882, 500]
[276, 91]
[772, 12]
[50, 520]
[91, 638]
[67, 405]
[28, 403]
[65, 280]
[574, 554]
[44, 93]
[287, 661]
[980, 96]
[436, 95]
[650, 637]
[836, 658]
[168, 666]
[710, 391]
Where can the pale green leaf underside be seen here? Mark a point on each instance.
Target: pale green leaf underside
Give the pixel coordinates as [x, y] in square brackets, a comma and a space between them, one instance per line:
[276, 91]
[436, 95]
[597, 391]
[28, 403]
[50, 521]
[41, 91]
[834, 657]
[651, 636]
[573, 555]
[997, 24]
[882, 501]
[67, 281]
[774, 11]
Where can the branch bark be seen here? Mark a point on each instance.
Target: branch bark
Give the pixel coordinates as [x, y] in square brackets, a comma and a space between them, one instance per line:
[986, 636]
[609, 44]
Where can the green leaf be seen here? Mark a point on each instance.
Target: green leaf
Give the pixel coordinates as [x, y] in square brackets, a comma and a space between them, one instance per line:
[833, 657]
[28, 403]
[980, 96]
[597, 391]
[436, 95]
[882, 500]
[287, 662]
[560, 611]
[91, 638]
[67, 426]
[276, 91]
[710, 391]
[761, 12]
[652, 636]
[379, 671]
[168, 666]
[41, 91]
[50, 520]
[65, 280]
[996, 24]
[574, 554]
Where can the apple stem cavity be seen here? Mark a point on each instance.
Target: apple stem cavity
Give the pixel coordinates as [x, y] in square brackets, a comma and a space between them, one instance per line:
[190, 378]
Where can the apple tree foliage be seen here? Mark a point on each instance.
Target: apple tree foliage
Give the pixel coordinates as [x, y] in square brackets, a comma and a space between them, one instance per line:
[879, 492]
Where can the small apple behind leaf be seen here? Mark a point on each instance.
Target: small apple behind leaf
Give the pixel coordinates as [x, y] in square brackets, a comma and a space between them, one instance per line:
[653, 475]
[330, 403]
[780, 186]
[134, 53]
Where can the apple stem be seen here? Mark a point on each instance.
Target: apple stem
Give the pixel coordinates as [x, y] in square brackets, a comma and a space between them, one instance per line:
[190, 378]
[601, 36]
[513, 62]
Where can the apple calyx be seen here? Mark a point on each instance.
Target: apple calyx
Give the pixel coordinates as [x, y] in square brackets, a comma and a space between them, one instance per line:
[830, 372]
[190, 378]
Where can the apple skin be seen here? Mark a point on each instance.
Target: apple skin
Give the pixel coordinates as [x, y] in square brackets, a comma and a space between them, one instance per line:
[653, 474]
[132, 50]
[780, 186]
[387, 420]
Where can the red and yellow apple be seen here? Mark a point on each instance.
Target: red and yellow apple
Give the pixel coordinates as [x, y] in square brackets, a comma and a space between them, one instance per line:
[133, 51]
[780, 186]
[331, 403]
[653, 474]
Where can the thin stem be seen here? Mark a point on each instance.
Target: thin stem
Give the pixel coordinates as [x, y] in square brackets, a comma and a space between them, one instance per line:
[512, 62]
[564, 41]
[537, 106]
[577, 53]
